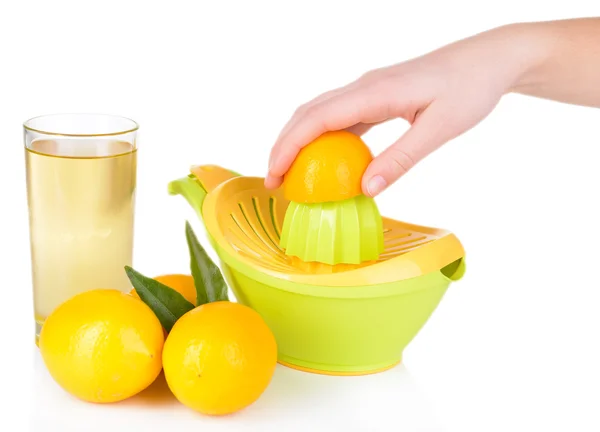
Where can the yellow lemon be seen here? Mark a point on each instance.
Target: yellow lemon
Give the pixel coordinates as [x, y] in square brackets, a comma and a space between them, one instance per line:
[328, 169]
[102, 346]
[219, 358]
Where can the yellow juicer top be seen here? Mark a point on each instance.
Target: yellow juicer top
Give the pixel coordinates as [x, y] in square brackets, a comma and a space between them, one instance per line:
[244, 219]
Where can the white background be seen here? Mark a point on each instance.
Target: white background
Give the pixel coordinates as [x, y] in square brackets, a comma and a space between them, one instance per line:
[514, 346]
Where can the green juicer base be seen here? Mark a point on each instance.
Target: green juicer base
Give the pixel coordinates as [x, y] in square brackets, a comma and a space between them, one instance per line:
[340, 336]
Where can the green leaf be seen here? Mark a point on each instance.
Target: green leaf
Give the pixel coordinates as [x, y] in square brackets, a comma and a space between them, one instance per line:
[166, 303]
[210, 285]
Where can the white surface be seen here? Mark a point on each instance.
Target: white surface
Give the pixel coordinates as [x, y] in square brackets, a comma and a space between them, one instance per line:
[514, 346]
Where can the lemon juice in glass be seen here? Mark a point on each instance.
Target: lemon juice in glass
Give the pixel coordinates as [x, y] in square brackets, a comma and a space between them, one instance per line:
[81, 182]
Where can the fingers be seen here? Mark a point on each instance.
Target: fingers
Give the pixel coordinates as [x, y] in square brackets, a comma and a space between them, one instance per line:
[298, 114]
[362, 128]
[427, 133]
[365, 104]
[358, 129]
[273, 182]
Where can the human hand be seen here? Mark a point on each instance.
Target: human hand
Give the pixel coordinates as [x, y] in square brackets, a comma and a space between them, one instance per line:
[441, 94]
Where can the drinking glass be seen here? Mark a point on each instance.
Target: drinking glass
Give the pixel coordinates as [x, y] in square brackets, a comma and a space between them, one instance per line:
[81, 182]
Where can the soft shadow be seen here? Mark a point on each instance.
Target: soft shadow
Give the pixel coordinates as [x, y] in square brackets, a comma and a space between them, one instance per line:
[291, 385]
[291, 389]
[157, 393]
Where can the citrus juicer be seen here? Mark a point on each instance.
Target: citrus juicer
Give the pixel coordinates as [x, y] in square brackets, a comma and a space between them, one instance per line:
[328, 219]
[330, 319]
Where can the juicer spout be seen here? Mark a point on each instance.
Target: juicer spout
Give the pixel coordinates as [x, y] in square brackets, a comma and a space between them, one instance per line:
[202, 180]
[190, 188]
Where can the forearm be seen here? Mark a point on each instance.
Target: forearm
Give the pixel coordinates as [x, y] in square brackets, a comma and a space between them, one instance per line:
[446, 92]
[565, 62]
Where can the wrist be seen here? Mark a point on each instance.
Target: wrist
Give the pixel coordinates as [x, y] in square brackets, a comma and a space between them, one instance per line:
[530, 48]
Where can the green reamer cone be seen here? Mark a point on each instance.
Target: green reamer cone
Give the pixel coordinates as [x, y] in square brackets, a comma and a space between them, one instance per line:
[339, 232]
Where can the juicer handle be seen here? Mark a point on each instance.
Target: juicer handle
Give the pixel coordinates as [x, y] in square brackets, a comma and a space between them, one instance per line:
[196, 186]
[454, 271]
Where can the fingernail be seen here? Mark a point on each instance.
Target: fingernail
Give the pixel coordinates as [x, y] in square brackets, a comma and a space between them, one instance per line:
[376, 185]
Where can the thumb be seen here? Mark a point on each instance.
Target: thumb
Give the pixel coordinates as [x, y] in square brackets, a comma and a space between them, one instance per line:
[426, 134]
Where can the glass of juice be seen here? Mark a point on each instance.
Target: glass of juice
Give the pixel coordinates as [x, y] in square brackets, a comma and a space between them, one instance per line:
[81, 182]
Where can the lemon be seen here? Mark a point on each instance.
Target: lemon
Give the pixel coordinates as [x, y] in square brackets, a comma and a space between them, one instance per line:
[330, 168]
[102, 346]
[219, 358]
